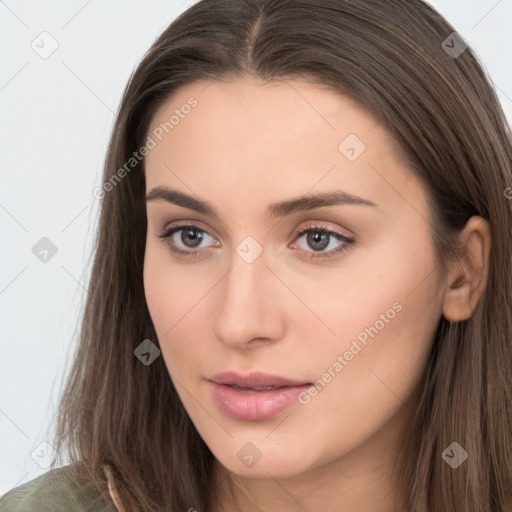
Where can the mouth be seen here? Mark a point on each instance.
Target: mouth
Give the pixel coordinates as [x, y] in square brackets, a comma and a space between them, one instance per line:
[255, 397]
[256, 380]
[255, 389]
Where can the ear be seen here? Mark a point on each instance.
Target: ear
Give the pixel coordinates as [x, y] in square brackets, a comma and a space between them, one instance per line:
[467, 276]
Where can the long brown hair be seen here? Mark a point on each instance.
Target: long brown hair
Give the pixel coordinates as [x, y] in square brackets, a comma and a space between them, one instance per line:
[392, 59]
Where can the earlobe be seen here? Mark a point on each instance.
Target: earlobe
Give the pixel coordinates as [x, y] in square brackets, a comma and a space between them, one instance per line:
[468, 276]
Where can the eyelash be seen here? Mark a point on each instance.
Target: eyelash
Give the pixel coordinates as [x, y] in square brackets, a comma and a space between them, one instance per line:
[348, 242]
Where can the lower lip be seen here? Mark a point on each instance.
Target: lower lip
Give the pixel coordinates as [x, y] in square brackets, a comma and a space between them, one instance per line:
[255, 405]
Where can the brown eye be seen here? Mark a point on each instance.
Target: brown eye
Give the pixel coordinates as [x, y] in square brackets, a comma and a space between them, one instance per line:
[188, 243]
[320, 238]
[317, 240]
[191, 237]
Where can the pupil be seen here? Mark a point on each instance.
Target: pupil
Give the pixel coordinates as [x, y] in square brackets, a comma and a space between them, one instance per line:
[315, 238]
[193, 235]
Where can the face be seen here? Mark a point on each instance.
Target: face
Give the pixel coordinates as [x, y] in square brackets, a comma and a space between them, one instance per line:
[340, 298]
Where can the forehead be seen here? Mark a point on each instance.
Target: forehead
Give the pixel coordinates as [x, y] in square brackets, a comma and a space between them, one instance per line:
[285, 137]
[291, 107]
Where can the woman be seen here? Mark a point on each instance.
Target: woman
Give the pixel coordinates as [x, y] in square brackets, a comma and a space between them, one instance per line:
[301, 293]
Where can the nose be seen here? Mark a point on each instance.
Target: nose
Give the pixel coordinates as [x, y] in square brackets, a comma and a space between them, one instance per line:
[249, 310]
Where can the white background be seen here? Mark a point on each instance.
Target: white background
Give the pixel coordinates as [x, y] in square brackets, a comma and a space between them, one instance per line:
[57, 114]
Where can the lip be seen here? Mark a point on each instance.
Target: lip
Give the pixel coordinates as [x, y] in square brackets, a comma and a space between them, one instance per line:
[251, 404]
[255, 379]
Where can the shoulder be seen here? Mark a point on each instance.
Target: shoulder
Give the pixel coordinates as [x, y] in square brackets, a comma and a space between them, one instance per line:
[54, 491]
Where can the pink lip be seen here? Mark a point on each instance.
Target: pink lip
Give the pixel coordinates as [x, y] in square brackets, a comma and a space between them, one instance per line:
[250, 404]
[254, 379]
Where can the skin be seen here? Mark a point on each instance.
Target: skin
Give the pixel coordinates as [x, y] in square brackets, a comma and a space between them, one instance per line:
[248, 144]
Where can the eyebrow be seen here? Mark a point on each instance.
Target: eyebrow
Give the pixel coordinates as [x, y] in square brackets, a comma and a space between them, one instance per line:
[280, 209]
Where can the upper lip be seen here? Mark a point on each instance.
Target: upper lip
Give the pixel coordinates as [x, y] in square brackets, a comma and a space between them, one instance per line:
[253, 380]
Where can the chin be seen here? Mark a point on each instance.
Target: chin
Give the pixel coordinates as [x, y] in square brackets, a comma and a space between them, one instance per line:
[262, 459]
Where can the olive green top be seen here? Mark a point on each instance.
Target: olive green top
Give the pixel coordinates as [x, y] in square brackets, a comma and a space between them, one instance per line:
[51, 492]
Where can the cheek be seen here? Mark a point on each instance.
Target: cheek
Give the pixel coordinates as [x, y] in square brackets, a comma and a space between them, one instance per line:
[379, 277]
[174, 296]
[379, 296]
[383, 304]
[385, 312]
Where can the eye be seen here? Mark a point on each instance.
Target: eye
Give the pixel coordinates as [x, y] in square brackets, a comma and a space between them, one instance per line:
[320, 238]
[190, 239]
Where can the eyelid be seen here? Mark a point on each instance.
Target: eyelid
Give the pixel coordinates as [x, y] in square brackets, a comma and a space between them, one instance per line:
[313, 224]
[322, 226]
[186, 223]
